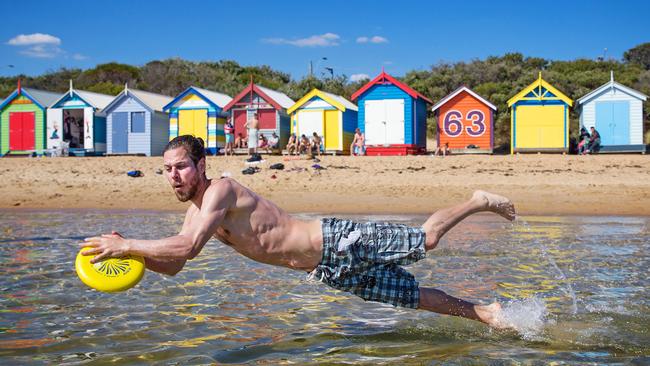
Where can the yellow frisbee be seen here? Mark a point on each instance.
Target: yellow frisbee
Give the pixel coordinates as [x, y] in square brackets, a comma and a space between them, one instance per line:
[111, 274]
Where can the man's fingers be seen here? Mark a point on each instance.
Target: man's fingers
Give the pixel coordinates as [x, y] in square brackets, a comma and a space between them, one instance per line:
[99, 257]
[91, 251]
[91, 244]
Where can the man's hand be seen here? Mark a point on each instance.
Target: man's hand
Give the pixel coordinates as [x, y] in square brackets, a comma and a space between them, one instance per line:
[105, 246]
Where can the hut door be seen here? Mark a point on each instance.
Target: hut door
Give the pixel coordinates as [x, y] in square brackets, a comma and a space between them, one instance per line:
[120, 135]
[333, 130]
[613, 122]
[310, 122]
[54, 127]
[384, 121]
[21, 131]
[88, 129]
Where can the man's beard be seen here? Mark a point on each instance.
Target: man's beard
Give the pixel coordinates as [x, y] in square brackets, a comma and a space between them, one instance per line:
[188, 195]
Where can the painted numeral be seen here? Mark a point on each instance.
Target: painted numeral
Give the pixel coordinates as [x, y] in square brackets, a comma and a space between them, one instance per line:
[477, 128]
[453, 125]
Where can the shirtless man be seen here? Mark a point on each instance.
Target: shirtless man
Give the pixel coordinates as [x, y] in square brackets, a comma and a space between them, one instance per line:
[357, 147]
[362, 258]
[252, 125]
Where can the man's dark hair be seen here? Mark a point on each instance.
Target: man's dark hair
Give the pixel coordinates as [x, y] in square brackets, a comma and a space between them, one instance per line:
[194, 146]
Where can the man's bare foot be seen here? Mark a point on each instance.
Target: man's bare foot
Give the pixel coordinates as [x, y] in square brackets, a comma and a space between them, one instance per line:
[491, 315]
[497, 204]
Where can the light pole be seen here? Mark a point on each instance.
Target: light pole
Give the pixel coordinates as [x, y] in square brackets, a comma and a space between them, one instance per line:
[311, 65]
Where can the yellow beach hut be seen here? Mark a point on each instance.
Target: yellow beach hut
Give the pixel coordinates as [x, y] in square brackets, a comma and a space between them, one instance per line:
[199, 112]
[330, 116]
[539, 119]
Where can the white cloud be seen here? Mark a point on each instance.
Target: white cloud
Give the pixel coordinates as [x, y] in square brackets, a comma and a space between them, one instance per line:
[79, 57]
[322, 40]
[358, 77]
[378, 39]
[42, 51]
[373, 39]
[34, 39]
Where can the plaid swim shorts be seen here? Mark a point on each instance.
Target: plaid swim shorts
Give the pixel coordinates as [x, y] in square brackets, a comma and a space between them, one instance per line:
[365, 259]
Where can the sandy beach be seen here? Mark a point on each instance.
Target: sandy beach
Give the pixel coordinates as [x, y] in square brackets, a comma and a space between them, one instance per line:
[538, 184]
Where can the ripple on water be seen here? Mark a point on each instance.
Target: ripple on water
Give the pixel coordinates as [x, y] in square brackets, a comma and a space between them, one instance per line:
[226, 309]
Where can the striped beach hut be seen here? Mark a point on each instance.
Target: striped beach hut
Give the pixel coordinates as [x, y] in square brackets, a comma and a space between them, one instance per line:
[539, 119]
[23, 121]
[199, 112]
[392, 116]
[76, 118]
[330, 116]
[616, 112]
[136, 123]
[271, 108]
[465, 122]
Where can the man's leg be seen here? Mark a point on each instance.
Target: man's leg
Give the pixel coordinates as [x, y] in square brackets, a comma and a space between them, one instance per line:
[443, 220]
[441, 303]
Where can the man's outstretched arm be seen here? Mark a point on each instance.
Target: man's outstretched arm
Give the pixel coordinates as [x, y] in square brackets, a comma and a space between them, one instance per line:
[217, 200]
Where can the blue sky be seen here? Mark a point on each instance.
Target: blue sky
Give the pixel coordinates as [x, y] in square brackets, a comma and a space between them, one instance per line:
[356, 37]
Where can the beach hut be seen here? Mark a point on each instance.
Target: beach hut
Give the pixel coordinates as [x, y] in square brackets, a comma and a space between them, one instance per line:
[392, 116]
[271, 108]
[136, 123]
[76, 119]
[465, 122]
[330, 116]
[616, 112]
[23, 121]
[539, 119]
[199, 112]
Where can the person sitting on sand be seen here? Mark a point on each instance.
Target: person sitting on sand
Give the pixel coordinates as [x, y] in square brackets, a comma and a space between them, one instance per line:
[594, 141]
[274, 141]
[358, 146]
[442, 150]
[264, 144]
[583, 141]
[240, 141]
[303, 145]
[315, 144]
[365, 259]
[292, 145]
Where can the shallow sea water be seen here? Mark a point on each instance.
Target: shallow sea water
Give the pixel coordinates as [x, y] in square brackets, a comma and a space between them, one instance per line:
[576, 289]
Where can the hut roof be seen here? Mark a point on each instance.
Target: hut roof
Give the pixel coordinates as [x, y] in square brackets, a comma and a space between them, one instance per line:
[335, 100]
[95, 100]
[458, 91]
[278, 99]
[41, 98]
[153, 101]
[385, 78]
[614, 85]
[541, 89]
[211, 97]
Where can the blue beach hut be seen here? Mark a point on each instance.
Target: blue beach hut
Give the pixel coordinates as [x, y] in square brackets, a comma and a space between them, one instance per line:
[136, 123]
[392, 116]
[616, 112]
[76, 118]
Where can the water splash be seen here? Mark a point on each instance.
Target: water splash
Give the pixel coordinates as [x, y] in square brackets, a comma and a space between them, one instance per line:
[528, 316]
[560, 274]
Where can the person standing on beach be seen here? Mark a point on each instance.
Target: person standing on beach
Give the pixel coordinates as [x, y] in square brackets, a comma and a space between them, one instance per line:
[357, 147]
[229, 131]
[252, 125]
[365, 259]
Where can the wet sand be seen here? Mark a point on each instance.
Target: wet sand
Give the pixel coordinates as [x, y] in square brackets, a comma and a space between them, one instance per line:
[538, 184]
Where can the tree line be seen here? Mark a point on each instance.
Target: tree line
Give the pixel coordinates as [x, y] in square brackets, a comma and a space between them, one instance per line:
[496, 78]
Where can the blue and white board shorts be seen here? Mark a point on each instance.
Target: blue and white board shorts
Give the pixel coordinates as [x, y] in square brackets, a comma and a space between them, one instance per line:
[365, 259]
